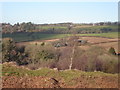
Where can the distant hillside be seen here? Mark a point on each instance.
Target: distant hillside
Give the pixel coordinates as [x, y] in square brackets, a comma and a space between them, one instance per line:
[61, 28]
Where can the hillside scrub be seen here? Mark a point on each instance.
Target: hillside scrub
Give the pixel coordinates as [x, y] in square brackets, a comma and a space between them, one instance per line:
[41, 56]
[112, 51]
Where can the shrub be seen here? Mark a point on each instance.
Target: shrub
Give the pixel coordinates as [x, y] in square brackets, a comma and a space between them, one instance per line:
[112, 51]
[8, 50]
[45, 56]
[42, 44]
[109, 63]
[20, 49]
[11, 52]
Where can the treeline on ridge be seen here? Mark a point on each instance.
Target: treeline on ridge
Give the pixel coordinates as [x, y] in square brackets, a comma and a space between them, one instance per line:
[61, 28]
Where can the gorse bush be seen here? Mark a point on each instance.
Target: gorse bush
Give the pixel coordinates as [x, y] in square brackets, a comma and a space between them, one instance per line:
[112, 51]
[10, 52]
[45, 56]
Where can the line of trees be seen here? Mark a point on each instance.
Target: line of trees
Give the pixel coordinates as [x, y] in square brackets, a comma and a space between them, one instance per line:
[64, 28]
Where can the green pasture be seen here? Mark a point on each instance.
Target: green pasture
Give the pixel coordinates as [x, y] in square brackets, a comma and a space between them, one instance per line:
[19, 37]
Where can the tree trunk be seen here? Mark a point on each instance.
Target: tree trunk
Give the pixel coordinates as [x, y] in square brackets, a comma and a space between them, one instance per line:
[71, 59]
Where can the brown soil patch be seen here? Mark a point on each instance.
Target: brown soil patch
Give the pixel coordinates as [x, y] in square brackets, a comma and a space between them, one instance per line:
[98, 39]
[35, 42]
[31, 82]
[110, 44]
[107, 46]
[46, 82]
[52, 40]
[97, 82]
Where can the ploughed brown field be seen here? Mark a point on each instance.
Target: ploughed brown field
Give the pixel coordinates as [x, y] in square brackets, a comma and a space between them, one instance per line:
[93, 41]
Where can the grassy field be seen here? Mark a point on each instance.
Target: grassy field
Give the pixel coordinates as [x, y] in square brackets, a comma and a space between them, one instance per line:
[109, 35]
[18, 37]
[85, 27]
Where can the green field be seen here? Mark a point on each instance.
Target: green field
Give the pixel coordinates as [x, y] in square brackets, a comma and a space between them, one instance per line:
[18, 37]
[109, 35]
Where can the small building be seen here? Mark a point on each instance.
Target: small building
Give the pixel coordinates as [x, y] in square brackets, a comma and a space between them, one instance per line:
[82, 41]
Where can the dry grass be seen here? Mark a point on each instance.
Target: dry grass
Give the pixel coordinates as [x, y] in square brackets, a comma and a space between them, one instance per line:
[98, 39]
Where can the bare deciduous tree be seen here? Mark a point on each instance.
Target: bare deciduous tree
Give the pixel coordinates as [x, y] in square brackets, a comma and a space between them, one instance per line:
[73, 44]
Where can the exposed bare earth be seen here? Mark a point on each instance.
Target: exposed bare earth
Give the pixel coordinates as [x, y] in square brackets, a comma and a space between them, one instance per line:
[98, 39]
[37, 42]
[46, 82]
[31, 82]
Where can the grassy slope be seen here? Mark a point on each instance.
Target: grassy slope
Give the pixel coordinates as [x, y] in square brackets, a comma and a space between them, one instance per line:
[68, 75]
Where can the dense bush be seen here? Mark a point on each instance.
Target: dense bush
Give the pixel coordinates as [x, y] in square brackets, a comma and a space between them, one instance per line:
[44, 55]
[10, 52]
[112, 51]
